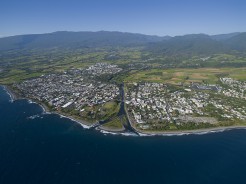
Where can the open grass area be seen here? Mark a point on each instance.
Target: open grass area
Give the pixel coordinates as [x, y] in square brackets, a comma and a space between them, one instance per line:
[110, 105]
[109, 109]
[115, 123]
[177, 75]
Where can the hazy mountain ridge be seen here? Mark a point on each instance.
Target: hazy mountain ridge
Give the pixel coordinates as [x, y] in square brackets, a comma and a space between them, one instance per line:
[76, 39]
[187, 44]
[237, 42]
[222, 37]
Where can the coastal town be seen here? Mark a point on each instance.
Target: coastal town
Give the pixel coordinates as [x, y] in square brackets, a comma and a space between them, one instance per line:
[158, 106]
[73, 91]
[148, 105]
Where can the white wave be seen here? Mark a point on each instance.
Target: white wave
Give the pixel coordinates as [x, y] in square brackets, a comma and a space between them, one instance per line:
[8, 93]
[80, 123]
[105, 132]
[108, 132]
[145, 135]
[159, 134]
[129, 134]
[182, 133]
[45, 112]
[43, 109]
[168, 134]
[61, 116]
[30, 101]
[33, 117]
[202, 132]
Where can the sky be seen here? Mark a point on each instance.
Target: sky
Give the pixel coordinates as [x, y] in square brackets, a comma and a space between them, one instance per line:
[152, 17]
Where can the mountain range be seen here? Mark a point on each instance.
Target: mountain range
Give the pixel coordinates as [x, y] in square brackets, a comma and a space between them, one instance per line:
[189, 44]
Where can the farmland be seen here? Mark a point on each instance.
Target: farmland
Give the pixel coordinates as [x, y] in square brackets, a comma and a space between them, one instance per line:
[184, 75]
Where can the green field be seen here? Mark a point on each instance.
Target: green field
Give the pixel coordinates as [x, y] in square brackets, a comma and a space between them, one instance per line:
[115, 123]
[16, 66]
[184, 75]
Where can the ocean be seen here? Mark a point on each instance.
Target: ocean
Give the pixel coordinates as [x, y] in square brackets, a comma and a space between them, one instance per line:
[39, 148]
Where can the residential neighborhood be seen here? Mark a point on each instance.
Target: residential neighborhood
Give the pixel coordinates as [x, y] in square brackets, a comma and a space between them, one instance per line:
[156, 104]
[72, 89]
[103, 68]
[149, 105]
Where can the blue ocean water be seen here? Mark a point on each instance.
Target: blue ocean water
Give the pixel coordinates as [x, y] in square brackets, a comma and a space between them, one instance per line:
[53, 150]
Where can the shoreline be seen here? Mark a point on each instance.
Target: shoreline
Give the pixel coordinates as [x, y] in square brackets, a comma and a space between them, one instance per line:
[104, 128]
[185, 132]
[86, 125]
[46, 110]
[193, 132]
[13, 95]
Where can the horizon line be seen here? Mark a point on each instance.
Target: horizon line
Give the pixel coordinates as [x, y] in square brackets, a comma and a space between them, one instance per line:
[24, 34]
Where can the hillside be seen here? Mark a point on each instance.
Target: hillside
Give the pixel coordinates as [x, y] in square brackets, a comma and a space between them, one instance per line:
[237, 42]
[193, 44]
[65, 39]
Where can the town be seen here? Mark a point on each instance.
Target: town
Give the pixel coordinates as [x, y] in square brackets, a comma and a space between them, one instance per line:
[149, 105]
[73, 91]
[157, 106]
[103, 68]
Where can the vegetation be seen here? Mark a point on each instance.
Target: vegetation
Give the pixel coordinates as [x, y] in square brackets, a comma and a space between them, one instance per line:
[177, 61]
[24, 57]
[185, 75]
[114, 123]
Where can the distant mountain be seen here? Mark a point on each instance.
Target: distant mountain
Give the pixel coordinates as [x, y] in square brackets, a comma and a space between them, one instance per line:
[76, 39]
[237, 42]
[222, 37]
[192, 44]
[188, 45]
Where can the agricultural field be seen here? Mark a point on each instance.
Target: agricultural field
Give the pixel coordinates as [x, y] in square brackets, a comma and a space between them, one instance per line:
[184, 75]
[17, 67]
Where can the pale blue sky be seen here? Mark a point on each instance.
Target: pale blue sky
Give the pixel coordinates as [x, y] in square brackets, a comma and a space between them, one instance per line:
[153, 17]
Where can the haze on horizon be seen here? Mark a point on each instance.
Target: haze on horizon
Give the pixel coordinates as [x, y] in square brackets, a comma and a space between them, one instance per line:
[151, 17]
